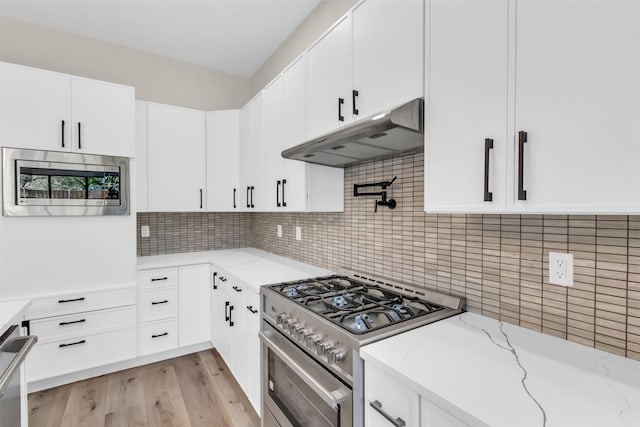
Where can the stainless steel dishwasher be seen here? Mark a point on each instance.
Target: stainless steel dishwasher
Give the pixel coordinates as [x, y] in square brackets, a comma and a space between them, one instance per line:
[13, 350]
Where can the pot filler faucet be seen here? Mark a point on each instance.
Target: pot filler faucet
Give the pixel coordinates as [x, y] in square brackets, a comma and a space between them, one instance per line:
[391, 203]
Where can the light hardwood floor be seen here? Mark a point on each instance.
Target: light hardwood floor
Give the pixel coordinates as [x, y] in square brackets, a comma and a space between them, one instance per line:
[189, 391]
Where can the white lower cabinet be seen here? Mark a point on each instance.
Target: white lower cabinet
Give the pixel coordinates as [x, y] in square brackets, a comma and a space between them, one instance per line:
[252, 312]
[387, 401]
[194, 310]
[158, 336]
[158, 325]
[434, 416]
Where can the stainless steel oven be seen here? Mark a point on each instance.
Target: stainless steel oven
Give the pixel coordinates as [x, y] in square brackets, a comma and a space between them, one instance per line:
[43, 183]
[298, 391]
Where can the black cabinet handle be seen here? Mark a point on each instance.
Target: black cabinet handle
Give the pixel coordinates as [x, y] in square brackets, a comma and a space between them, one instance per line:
[164, 334]
[354, 95]
[248, 189]
[72, 343]
[159, 302]
[72, 322]
[284, 203]
[215, 286]
[522, 139]
[230, 321]
[201, 198]
[278, 193]
[79, 136]
[223, 279]
[488, 145]
[158, 279]
[340, 103]
[62, 127]
[252, 188]
[237, 289]
[251, 309]
[398, 422]
[226, 311]
[234, 198]
[62, 301]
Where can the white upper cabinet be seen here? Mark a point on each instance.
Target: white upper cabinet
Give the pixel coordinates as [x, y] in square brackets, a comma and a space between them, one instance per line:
[466, 112]
[142, 183]
[103, 117]
[41, 109]
[388, 54]
[176, 159]
[568, 98]
[577, 97]
[330, 80]
[253, 188]
[223, 161]
[245, 156]
[273, 131]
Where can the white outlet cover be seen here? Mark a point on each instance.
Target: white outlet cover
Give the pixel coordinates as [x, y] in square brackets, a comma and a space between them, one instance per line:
[298, 233]
[144, 231]
[560, 269]
[279, 230]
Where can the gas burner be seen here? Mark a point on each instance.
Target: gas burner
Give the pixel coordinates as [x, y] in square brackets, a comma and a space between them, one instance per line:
[293, 293]
[361, 322]
[340, 301]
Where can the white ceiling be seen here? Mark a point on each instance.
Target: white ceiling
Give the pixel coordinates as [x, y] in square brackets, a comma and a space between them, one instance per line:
[235, 36]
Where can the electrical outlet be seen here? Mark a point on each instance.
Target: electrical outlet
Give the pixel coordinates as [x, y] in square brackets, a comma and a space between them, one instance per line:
[298, 233]
[144, 231]
[279, 230]
[560, 269]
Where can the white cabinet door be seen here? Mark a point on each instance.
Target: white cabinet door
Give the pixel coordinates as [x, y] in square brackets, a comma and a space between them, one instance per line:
[388, 54]
[223, 161]
[577, 87]
[223, 343]
[176, 159]
[273, 131]
[217, 303]
[252, 310]
[194, 305]
[389, 398]
[245, 157]
[258, 190]
[35, 108]
[142, 189]
[434, 416]
[467, 93]
[103, 117]
[330, 80]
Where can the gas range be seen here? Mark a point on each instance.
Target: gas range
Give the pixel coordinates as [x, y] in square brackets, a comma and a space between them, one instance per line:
[327, 319]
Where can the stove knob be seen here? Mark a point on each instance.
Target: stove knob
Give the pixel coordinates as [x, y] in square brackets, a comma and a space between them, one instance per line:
[303, 334]
[312, 341]
[285, 322]
[294, 327]
[336, 355]
[322, 348]
[280, 318]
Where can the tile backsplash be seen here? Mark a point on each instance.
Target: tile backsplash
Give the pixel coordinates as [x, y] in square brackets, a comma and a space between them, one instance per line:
[499, 262]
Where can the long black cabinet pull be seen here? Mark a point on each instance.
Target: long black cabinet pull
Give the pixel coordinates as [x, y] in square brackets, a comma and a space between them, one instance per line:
[252, 188]
[164, 334]
[201, 198]
[278, 193]
[72, 322]
[248, 189]
[488, 145]
[62, 301]
[72, 343]
[251, 309]
[79, 136]
[230, 321]
[354, 95]
[284, 202]
[215, 286]
[237, 289]
[159, 302]
[398, 422]
[522, 139]
[226, 311]
[340, 103]
[158, 279]
[62, 127]
[234, 198]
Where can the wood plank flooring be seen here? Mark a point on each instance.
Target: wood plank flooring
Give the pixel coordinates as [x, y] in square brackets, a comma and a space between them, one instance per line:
[189, 391]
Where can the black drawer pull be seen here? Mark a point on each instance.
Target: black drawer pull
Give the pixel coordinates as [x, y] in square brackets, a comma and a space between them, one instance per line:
[234, 198]
[160, 335]
[251, 309]
[62, 133]
[522, 139]
[284, 202]
[79, 136]
[230, 321]
[62, 301]
[340, 103]
[252, 188]
[398, 422]
[72, 343]
[201, 198]
[215, 274]
[248, 189]
[226, 311]
[223, 279]
[278, 193]
[237, 289]
[72, 322]
[159, 302]
[488, 145]
[354, 95]
[158, 279]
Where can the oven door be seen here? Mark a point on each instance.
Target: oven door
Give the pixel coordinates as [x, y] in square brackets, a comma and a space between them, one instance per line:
[296, 390]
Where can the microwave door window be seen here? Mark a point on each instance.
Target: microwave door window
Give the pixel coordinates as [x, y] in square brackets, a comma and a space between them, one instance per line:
[34, 186]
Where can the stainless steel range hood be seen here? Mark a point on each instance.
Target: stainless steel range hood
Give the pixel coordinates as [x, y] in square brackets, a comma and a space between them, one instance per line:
[399, 130]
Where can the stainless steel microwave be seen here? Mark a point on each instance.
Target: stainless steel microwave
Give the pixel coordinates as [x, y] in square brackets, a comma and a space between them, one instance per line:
[54, 183]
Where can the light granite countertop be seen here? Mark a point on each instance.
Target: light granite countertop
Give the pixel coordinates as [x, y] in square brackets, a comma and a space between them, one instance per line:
[11, 312]
[487, 372]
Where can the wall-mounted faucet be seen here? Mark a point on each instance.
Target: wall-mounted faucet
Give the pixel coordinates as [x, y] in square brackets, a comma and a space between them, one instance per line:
[391, 203]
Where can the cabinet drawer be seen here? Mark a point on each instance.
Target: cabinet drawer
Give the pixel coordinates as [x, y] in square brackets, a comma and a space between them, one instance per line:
[233, 286]
[159, 304]
[158, 336]
[80, 352]
[390, 397]
[84, 323]
[80, 302]
[152, 279]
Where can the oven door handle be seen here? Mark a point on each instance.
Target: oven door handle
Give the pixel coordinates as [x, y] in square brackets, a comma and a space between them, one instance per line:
[21, 346]
[333, 398]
